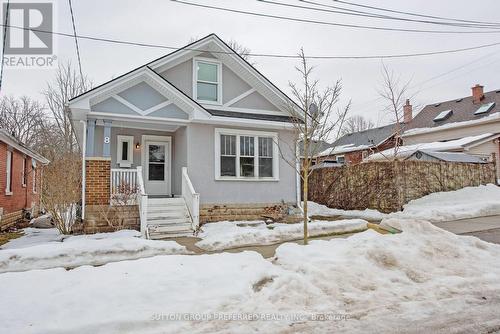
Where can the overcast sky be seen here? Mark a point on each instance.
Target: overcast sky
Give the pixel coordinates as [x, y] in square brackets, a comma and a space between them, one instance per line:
[169, 23]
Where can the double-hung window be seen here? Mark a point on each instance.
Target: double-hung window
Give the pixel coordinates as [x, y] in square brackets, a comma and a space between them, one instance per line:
[207, 86]
[246, 155]
[33, 171]
[124, 154]
[8, 176]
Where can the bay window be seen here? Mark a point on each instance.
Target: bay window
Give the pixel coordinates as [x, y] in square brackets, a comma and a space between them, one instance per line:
[207, 81]
[246, 155]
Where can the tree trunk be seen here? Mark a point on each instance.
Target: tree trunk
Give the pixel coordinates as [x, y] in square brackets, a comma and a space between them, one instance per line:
[305, 191]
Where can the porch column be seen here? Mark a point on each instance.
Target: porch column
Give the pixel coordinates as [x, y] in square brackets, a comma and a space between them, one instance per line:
[90, 138]
[106, 144]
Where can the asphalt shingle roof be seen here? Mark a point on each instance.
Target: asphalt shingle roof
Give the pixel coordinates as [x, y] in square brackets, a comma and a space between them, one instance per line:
[462, 110]
[370, 137]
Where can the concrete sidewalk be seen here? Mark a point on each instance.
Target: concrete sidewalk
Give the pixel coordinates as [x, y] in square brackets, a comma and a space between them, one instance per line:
[485, 228]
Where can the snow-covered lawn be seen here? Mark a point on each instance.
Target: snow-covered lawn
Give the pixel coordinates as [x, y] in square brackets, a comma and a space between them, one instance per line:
[322, 210]
[224, 235]
[467, 202]
[46, 248]
[423, 280]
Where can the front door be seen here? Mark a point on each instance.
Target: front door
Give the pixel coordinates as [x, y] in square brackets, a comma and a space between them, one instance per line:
[157, 167]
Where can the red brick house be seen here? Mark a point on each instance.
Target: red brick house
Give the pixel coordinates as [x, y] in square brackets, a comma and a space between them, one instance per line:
[352, 148]
[20, 180]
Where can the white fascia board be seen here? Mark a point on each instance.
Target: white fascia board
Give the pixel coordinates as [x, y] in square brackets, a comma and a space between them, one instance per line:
[250, 123]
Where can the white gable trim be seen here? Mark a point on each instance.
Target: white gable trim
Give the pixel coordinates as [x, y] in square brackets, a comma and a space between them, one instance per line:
[234, 62]
[239, 97]
[157, 107]
[143, 74]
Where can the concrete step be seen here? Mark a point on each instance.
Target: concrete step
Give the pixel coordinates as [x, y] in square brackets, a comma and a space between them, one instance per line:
[168, 214]
[169, 221]
[166, 201]
[169, 228]
[163, 236]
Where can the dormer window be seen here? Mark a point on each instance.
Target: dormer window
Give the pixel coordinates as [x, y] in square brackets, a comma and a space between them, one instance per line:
[207, 81]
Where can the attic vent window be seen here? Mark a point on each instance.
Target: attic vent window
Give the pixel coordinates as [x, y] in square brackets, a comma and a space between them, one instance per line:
[483, 109]
[443, 115]
[459, 100]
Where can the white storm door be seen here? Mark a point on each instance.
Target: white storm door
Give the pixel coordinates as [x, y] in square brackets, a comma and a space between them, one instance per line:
[157, 171]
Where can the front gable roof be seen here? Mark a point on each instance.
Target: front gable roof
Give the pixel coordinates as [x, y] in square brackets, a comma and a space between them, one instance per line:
[214, 45]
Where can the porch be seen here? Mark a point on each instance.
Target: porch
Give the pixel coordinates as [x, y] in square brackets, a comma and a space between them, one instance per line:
[139, 165]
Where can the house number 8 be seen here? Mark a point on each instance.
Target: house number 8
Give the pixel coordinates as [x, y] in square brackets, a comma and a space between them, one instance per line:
[106, 140]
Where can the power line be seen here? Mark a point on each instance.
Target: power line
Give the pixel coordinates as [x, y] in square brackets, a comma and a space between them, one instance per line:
[4, 41]
[269, 55]
[286, 18]
[412, 14]
[347, 11]
[76, 40]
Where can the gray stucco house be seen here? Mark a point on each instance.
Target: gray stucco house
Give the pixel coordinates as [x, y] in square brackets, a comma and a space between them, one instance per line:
[194, 131]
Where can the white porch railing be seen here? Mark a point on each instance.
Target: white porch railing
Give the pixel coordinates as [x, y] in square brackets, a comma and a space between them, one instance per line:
[191, 197]
[123, 181]
[142, 199]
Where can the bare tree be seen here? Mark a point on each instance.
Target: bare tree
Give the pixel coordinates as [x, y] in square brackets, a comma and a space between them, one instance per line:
[62, 190]
[356, 124]
[394, 91]
[67, 84]
[317, 119]
[22, 117]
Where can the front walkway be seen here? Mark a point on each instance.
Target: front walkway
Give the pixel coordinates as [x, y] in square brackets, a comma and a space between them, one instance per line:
[267, 251]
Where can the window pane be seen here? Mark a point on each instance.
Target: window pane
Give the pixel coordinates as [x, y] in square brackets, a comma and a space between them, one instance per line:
[265, 167]
[156, 172]
[206, 91]
[207, 72]
[227, 145]
[265, 147]
[246, 167]
[246, 146]
[228, 166]
[157, 153]
[124, 150]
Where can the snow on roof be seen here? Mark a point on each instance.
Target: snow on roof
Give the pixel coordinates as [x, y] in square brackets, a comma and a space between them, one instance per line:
[342, 149]
[20, 146]
[453, 156]
[406, 151]
[417, 131]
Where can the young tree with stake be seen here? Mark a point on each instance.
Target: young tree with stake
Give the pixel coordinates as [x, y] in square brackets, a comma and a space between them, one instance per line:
[318, 119]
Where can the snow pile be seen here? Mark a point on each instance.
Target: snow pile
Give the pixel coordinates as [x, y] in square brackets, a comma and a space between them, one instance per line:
[34, 236]
[82, 250]
[420, 281]
[464, 203]
[322, 210]
[224, 235]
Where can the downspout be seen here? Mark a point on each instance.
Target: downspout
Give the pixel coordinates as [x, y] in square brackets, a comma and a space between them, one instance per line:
[84, 148]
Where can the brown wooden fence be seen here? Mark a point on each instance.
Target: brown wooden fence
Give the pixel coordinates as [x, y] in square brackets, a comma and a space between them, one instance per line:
[386, 186]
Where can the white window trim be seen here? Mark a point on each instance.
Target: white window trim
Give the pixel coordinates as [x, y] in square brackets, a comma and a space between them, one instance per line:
[24, 179]
[130, 154]
[255, 134]
[196, 60]
[340, 156]
[8, 173]
[33, 171]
